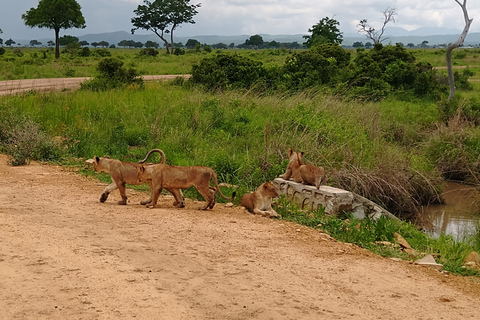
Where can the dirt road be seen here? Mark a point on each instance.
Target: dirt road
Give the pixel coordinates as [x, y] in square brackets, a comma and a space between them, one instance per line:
[18, 86]
[65, 255]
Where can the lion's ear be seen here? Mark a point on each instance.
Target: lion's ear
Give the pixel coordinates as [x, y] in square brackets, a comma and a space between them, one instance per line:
[97, 159]
[302, 153]
[265, 186]
[290, 151]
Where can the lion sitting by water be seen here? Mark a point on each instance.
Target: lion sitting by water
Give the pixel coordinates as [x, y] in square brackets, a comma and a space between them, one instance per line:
[178, 177]
[300, 172]
[260, 201]
[122, 173]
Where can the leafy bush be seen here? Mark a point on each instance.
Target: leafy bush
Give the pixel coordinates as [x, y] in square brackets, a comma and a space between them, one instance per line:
[23, 140]
[84, 52]
[2, 51]
[112, 74]
[179, 52]
[227, 71]
[148, 52]
[102, 52]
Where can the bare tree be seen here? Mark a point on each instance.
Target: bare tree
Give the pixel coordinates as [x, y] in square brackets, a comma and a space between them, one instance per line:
[376, 35]
[457, 44]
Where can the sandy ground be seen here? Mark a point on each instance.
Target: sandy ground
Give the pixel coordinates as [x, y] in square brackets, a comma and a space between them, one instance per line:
[50, 84]
[65, 255]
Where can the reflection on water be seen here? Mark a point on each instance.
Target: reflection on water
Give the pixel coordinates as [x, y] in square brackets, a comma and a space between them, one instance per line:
[458, 217]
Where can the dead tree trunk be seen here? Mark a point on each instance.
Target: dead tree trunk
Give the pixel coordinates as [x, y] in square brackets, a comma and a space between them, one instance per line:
[456, 44]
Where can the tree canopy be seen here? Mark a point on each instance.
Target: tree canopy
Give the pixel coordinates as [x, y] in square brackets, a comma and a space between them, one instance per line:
[163, 17]
[56, 15]
[325, 31]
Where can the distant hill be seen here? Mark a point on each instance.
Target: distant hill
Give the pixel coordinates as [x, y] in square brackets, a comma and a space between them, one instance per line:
[394, 35]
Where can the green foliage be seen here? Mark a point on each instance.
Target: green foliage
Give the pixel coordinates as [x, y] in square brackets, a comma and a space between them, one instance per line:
[24, 140]
[2, 51]
[112, 74]
[178, 51]
[224, 71]
[148, 52]
[325, 31]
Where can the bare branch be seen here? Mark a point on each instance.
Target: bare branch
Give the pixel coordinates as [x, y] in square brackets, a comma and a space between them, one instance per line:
[376, 35]
[457, 44]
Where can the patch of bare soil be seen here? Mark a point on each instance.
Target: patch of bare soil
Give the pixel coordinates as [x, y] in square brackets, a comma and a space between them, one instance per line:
[65, 255]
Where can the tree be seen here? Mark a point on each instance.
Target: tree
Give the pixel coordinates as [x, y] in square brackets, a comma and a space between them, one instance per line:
[151, 44]
[325, 31]
[163, 17]
[83, 43]
[456, 44]
[103, 44]
[191, 43]
[410, 45]
[66, 40]
[9, 42]
[254, 41]
[50, 43]
[373, 34]
[357, 44]
[424, 44]
[56, 15]
[35, 43]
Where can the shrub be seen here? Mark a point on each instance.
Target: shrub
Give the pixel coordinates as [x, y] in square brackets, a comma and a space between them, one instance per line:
[179, 52]
[227, 71]
[2, 51]
[102, 52]
[112, 74]
[148, 52]
[84, 52]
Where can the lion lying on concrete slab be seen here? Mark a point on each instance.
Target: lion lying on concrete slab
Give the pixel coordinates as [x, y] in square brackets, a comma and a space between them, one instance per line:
[178, 177]
[126, 172]
[304, 173]
[260, 201]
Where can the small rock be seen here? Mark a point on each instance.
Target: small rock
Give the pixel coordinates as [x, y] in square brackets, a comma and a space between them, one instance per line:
[229, 204]
[472, 261]
[401, 241]
[429, 261]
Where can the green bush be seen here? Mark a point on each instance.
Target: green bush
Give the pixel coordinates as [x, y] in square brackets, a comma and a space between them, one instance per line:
[148, 52]
[227, 71]
[2, 51]
[112, 74]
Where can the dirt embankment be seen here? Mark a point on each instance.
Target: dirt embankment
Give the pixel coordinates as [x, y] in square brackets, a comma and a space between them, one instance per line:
[65, 255]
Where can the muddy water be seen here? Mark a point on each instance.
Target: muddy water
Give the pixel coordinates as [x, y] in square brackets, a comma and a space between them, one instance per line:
[458, 217]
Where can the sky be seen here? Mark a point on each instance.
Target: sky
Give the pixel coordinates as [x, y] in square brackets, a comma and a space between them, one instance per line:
[250, 17]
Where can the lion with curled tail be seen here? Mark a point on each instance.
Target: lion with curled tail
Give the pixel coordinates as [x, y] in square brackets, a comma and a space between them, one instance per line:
[304, 173]
[122, 173]
[176, 177]
[260, 201]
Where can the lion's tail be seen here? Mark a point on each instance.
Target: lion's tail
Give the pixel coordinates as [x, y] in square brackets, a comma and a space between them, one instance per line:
[162, 161]
[214, 176]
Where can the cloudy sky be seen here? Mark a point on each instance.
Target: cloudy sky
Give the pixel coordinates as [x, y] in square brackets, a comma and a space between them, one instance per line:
[249, 17]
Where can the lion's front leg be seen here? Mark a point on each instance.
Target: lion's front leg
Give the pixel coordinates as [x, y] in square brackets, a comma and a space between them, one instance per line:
[111, 187]
[179, 199]
[287, 174]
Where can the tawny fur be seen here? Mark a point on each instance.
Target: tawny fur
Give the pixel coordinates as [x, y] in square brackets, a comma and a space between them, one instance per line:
[177, 177]
[304, 173]
[260, 201]
[123, 173]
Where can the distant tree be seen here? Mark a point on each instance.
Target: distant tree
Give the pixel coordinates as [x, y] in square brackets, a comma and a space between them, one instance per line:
[151, 44]
[103, 44]
[138, 44]
[35, 43]
[377, 35]
[163, 17]
[456, 44]
[1, 42]
[219, 46]
[9, 42]
[254, 41]
[274, 44]
[191, 43]
[424, 44]
[368, 45]
[358, 44]
[112, 46]
[400, 44]
[231, 45]
[410, 45]
[83, 43]
[325, 31]
[94, 44]
[50, 43]
[66, 40]
[56, 15]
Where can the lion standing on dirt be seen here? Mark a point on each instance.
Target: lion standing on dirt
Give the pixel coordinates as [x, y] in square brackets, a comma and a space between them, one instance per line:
[176, 177]
[126, 172]
[300, 172]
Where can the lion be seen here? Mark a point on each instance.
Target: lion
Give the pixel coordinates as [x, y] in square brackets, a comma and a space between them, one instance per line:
[304, 173]
[178, 177]
[126, 172]
[260, 201]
